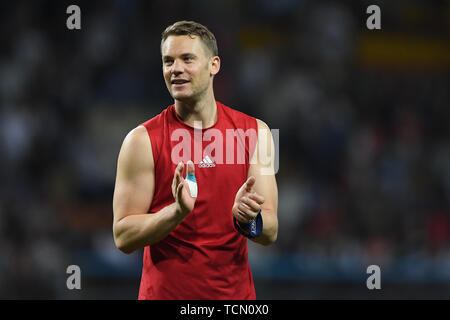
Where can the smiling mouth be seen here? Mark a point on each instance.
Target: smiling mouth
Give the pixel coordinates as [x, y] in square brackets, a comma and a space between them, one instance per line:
[179, 82]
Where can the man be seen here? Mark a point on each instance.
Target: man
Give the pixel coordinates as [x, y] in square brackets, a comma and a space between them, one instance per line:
[195, 242]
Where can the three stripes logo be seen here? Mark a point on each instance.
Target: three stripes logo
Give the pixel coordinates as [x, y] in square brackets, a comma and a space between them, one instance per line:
[206, 163]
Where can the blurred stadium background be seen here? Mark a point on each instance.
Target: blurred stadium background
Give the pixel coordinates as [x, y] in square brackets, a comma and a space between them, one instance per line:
[363, 115]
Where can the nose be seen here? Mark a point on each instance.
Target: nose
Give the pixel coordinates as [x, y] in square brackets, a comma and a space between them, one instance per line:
[177, 67]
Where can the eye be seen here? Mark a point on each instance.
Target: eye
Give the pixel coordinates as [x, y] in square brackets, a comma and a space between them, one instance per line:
[168, 62]
[188, 59]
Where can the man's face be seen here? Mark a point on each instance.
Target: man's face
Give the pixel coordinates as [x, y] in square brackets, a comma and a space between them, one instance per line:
[186, 67]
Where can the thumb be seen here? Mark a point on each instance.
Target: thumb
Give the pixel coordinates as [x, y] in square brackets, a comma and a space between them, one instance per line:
[190, 167]
[250, 183]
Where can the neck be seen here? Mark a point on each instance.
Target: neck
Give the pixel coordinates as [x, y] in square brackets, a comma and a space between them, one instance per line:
[204, 110]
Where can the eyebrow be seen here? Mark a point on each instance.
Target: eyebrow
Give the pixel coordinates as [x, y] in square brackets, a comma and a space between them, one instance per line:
[183, 55]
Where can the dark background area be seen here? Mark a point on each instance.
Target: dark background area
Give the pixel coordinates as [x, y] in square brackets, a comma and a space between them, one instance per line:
[364, 173]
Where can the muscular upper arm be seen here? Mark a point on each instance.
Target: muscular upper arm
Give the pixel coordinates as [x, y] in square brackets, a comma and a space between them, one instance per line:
[135, 179]
[262, 167]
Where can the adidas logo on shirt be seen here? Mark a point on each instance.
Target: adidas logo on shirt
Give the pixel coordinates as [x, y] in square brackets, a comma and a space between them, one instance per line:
[206, 163]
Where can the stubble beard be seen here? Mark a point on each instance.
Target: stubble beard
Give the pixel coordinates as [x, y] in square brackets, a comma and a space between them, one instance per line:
[194, 96]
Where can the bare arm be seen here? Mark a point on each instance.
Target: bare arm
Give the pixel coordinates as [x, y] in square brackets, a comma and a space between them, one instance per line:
[133, 227]
[260, 191]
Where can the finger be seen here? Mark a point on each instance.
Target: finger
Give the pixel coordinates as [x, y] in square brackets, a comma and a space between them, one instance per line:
[251, 203]
[256, 197]
[250, 183]
[176, 178]
[180, 168]
[247, 212]
[180, 189]
[240, 217]
[190, 167]
[179, 178]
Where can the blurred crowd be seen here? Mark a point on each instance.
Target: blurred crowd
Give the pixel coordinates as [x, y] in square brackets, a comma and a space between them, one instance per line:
[364, 149]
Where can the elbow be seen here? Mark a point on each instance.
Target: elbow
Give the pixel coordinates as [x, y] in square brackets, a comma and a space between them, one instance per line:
[274, 237]
[124, 247]
[271, 236]
[267, 240]
[120, 242]
[271, 239]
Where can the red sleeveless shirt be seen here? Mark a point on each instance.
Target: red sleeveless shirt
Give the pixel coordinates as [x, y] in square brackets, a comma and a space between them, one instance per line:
[204, 257]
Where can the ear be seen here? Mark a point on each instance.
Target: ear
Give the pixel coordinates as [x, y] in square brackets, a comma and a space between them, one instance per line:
[215, 65]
